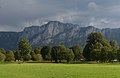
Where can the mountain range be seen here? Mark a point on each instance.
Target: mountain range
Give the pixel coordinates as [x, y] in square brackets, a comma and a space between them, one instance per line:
[55, 33]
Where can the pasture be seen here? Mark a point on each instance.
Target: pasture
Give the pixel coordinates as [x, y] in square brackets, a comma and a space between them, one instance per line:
[50, 70]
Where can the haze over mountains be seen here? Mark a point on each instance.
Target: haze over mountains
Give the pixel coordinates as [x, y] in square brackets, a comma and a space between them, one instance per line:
[55, 33]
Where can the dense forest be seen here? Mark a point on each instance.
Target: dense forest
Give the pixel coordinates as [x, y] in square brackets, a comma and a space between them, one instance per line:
[97, 49]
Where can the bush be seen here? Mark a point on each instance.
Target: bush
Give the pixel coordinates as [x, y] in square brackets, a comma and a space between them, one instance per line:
[10, 56]
[37, 57]
[26, 57]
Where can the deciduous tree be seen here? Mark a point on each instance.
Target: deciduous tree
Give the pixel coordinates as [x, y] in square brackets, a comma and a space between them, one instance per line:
[25, 49]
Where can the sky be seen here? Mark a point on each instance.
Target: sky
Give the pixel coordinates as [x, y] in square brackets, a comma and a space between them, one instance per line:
[17, 14]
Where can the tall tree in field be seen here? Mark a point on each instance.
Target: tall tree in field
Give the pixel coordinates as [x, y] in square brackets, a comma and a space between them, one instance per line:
[25, 49]
[46, 52]
[55, 53]
[62, 52]
[92, 39]
[77, 50]
[97, 48]
[10, 55]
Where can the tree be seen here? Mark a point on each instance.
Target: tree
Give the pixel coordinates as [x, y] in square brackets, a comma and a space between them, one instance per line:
[10, 56]
[36, 57]
[2, 50]
[87, 52]
[95, 55]
[46, 52]
[97, 48]
[104, 54]
[113, 53]
[118, 55]
[37, 50]
[92, 39]
[55, 53]
[114, 44]
[25, 49]
[69, 55]
[17, 55]
[60, 53]
[77, 50]
[95, 51]
[2, 57]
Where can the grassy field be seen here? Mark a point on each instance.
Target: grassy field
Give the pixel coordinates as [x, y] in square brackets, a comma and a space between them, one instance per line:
[39, 70]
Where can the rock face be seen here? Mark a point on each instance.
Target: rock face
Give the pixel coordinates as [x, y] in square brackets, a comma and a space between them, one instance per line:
[9, 40]
[55, 33]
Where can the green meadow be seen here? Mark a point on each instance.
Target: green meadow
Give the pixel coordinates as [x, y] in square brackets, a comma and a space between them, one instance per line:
[44, 70]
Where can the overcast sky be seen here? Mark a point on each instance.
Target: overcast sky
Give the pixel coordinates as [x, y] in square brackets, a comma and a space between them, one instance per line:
[17, 14]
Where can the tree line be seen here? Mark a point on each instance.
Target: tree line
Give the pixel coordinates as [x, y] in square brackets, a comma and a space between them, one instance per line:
[55, 54]
[97, 49]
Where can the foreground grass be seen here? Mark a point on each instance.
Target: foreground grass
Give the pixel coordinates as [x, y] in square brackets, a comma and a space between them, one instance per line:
[39, 70]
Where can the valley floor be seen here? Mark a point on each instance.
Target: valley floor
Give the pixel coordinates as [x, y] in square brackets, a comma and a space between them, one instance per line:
[49, 70]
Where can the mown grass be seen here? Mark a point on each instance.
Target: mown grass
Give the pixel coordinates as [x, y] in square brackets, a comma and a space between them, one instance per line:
[43, 70]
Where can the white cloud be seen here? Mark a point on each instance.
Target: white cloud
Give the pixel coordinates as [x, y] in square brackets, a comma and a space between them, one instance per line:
[68, 16]
[103, 23]
[92, 6]
[16, 14]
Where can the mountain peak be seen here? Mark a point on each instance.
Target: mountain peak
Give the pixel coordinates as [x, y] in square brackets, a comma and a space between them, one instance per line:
[90, 27]
[54, 22]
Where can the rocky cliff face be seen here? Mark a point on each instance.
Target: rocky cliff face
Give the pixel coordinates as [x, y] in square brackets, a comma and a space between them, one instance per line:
[9, 40]
[55, 33]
